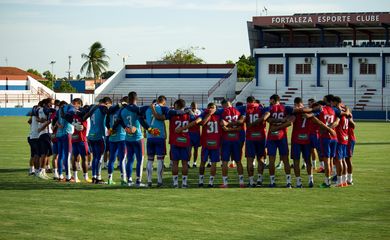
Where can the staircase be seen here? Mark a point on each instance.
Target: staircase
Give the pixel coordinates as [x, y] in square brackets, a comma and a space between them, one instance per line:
[364, 100]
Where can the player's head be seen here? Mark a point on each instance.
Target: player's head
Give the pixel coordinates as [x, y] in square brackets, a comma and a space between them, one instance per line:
[239, 104]
[298, 103]
[107, 101]
[257, 101]
[336, 101]
[57, 103]
[194, 105]
[328, 99]
[162, 100]
[124, 100]
[250, 99]
[274, 99]
[77, 103]
[133, 97]
[311, 101]
[321, 103]
[211, 106]
[180, 104]
[226, 103]
[62, 103]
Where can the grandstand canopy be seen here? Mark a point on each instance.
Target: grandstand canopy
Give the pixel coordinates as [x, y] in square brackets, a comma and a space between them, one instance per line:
[320, 30]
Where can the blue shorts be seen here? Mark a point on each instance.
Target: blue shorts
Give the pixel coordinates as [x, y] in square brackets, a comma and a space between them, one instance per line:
[195, 139]
[55, 147]
[212, 154]
[107, 143]
[231, 149]
[80, 148]
[242, 136]
[156, 146]
[180, 153]
[297, 149]
[328, 147]
[341, 151]
[254, 148]
[281, 144]
[350, 148]
[315, 142]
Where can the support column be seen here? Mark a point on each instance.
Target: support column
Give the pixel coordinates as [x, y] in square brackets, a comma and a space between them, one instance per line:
[261, 38]
[257, 70]
[383, 70]
[287, 73]
[318, 70]
[350, 75]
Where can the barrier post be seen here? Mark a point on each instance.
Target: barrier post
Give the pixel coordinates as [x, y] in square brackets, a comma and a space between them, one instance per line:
[301, 89]
[328, 85]
[354, 94]
[382, 99]
[276, 86]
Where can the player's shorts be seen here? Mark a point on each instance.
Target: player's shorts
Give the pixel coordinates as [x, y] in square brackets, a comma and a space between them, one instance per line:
[55, 147]
[315, 142]
[97, 147]
[80, 148]
[350, 148]
[242, 136]
[297, 149]
[231, 149]
[341, 151]
[273, 145]
[255, 148]
[195, 139]
[156, 146]
[34, 146]
[212, 154]
[180, 153]
[45, 147]
[328, 147]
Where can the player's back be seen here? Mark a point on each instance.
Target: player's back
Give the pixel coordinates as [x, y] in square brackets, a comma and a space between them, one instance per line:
[155, 123]
[342, 130]
[231, 115]
[253, 113]
[97, 121]
[129, 116]
[179, 139]
[278, 112]
[119, 133]
[301, 130]
[211, 133]
[328, 117]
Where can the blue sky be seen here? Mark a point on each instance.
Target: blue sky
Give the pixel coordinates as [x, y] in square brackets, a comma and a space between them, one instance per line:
[35, 32]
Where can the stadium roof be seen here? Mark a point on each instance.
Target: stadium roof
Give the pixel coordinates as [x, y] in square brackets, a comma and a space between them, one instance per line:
[13, 73]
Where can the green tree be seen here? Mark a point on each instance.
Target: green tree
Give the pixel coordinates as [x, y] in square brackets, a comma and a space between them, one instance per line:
[107, 75]
[66, 87]
[34, 71]
[183, 56]
[245, 67]
[96, 61]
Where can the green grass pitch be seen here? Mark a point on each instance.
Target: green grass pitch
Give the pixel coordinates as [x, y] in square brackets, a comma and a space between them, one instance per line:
[37, 209]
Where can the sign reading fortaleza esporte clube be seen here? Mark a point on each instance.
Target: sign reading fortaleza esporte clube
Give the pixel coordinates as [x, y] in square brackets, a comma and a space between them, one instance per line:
[323, 18]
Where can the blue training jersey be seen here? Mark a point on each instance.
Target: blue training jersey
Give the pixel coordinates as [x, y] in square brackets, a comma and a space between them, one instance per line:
[98, 121]
[67, 110]
[154, 123]
[119, 133]
[132, 116]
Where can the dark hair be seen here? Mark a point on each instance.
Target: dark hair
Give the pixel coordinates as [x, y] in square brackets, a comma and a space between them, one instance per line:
[311, 100]
[250, 99]
[180, 103]
[224, 101]
[124, 99]
[78, 100]
[322, 103]
[57, 102]
[329, 98]
[211, 105]
[154, 101]
[275, 97]
[257, 101]
[132, 96]
[336, 99]
[193, 104]
[161, 98]
[238, 104]
[297, 100]
[106, 100]
[101, 100]
[62, 103]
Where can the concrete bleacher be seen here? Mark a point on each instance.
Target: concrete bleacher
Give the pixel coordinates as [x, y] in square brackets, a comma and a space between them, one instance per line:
[200, 83]
[361, 98]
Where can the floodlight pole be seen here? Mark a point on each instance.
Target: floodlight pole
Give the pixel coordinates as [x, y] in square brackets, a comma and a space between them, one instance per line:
[52, 72]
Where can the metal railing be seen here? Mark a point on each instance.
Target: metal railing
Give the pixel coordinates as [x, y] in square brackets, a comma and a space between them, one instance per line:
[220, 82]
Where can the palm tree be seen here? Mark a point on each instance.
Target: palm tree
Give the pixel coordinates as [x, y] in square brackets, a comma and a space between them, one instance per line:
[95, 63]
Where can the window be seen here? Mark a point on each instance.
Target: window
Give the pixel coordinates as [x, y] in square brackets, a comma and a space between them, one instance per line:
[303, 68]
[275, 68]
[335, 68]
[367, 68]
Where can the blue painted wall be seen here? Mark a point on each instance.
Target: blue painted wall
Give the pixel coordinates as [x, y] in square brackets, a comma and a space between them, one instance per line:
[79, 85]
[14, 111]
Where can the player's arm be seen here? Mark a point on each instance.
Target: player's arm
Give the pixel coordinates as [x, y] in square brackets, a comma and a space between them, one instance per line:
[335, 123]
[352, 122]
[207, 117]
[45, 125]
[288, 123]
[231, 129]
[320, 123]
[90, 112]
[156, 115]
[302, 110]
[190, 125]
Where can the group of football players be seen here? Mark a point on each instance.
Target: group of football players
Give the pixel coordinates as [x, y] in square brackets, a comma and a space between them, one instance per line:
[83, 137]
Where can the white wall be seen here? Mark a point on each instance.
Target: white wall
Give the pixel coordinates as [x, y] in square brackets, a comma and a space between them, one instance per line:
[308, 79]
[268, 80]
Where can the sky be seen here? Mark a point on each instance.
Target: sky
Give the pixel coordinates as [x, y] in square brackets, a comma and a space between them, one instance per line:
[35, 32]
